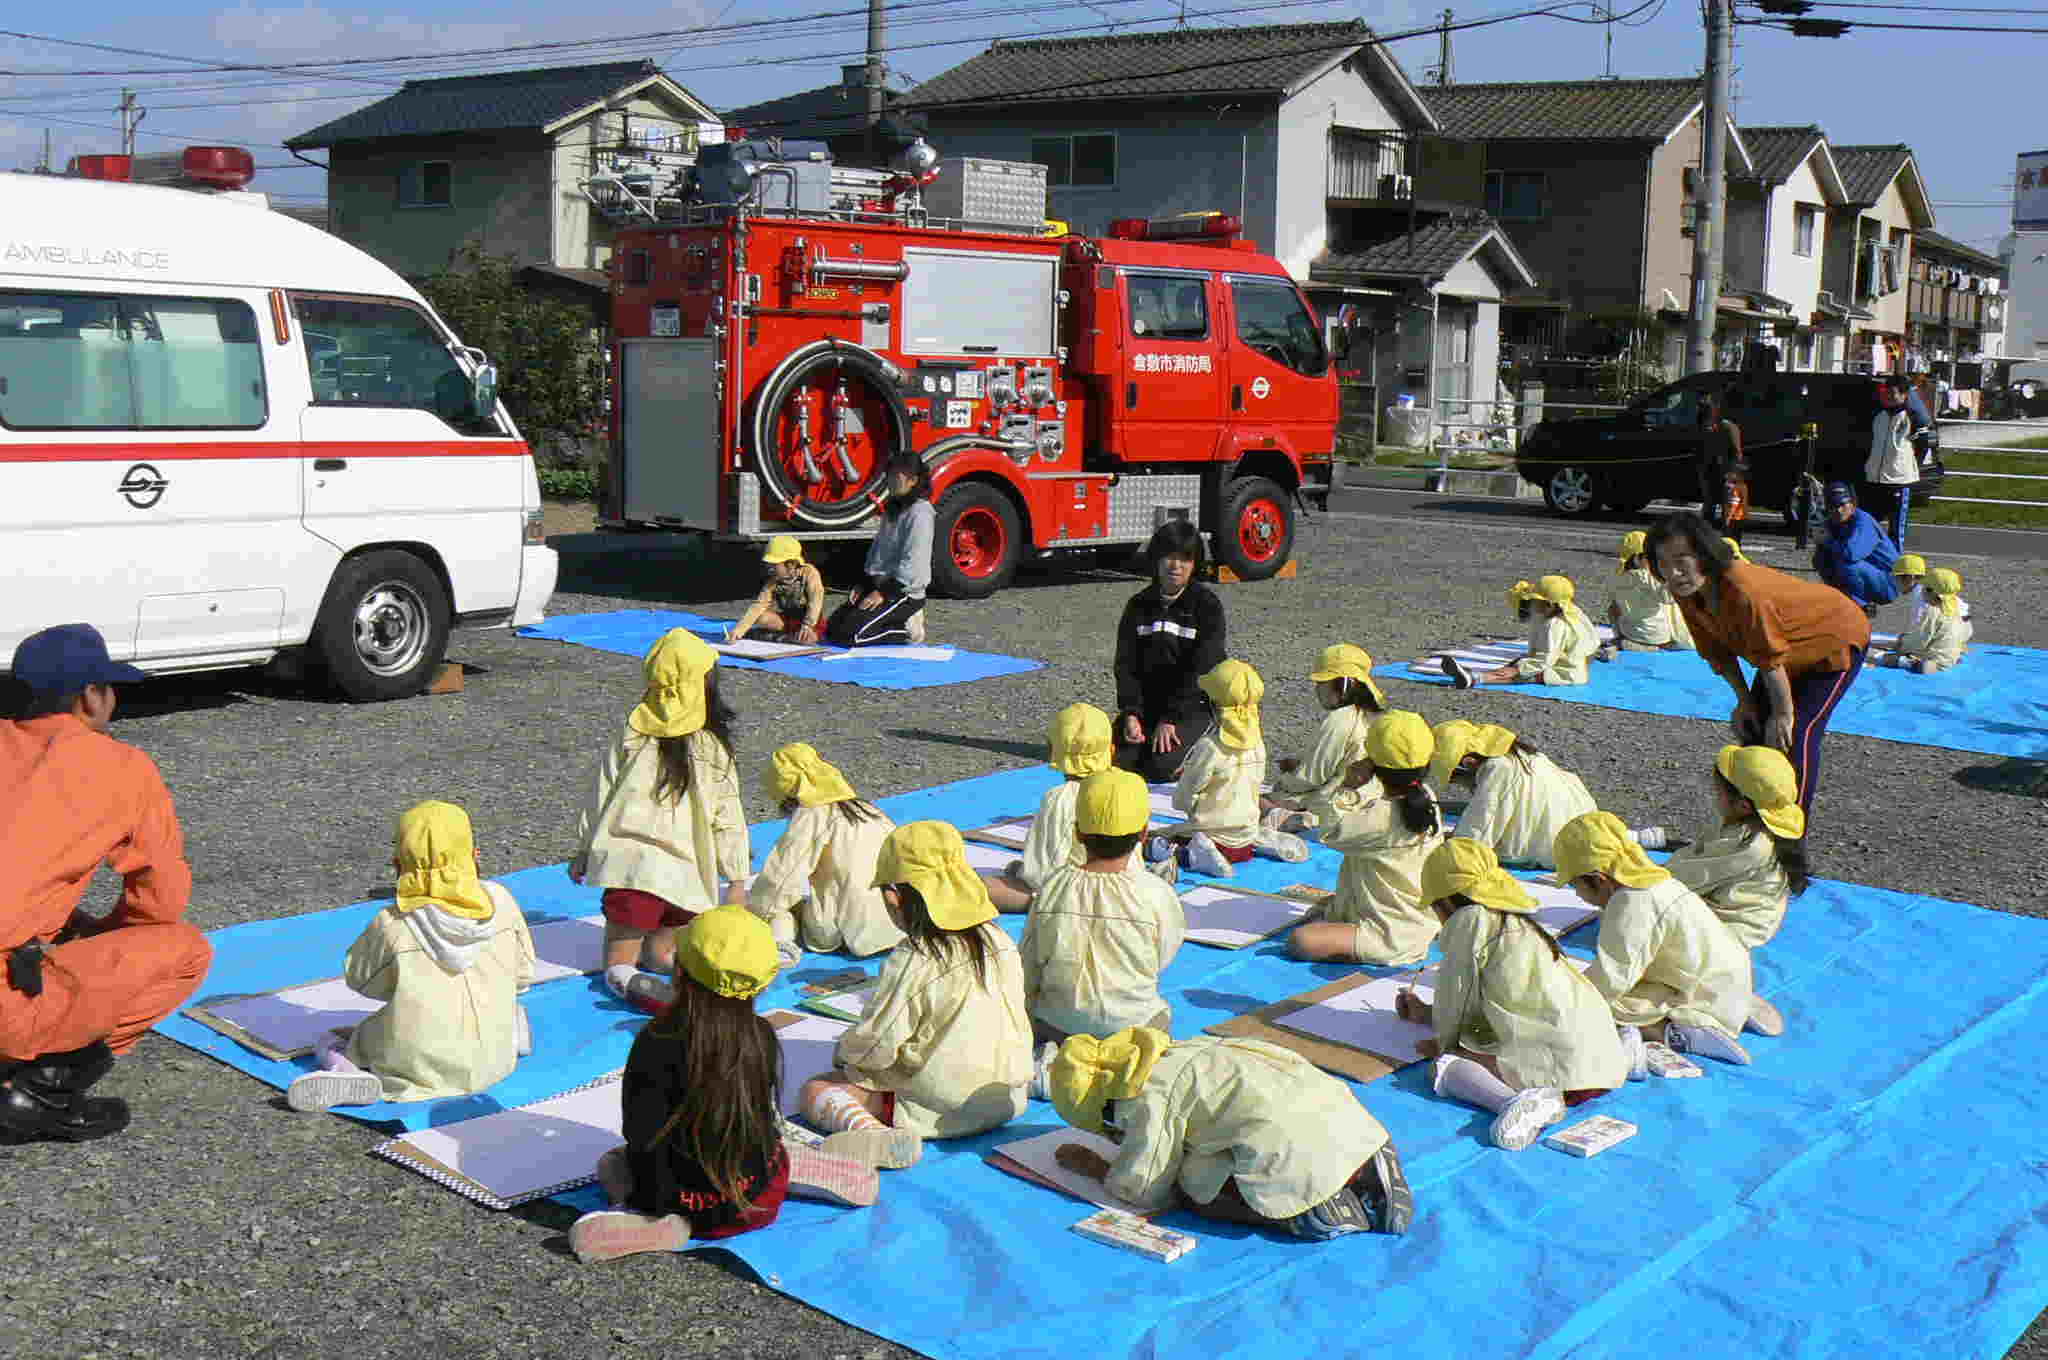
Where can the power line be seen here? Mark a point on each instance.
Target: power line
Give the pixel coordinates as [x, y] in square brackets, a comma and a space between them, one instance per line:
[1853, 24]
[1922, 9]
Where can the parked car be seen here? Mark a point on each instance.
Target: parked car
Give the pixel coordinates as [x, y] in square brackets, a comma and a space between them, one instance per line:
[1651, 450]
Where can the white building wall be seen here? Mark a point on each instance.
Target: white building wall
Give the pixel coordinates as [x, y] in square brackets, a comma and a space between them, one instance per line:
[2026, 308]
[1788, 274]
[1339, 98]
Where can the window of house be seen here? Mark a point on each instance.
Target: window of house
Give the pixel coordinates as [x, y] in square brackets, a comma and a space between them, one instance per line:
[1804, 216]
[1168, 306]
[369, 352]
[1083, 161]
[426, 184]
[1273, 321]
[1517, 195]
[1358, 162]
[637, 269]
[92, 361]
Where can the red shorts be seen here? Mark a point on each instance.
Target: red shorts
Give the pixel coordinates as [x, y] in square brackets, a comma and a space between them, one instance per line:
[767, 1204]
[643, 911]
[888, 1115]
[1236, 854]
[1572, 1098]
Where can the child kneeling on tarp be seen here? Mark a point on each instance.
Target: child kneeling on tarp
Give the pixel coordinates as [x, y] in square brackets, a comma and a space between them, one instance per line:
[1081, 746]
[448, 959]
[1518, 1030]
[1235, 1129]
[1561, 643]
[1219, 785]
[704, 1156]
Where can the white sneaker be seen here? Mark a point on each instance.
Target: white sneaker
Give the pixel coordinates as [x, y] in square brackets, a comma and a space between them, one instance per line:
[1460, 674]
[1205, 858]
[915, 627]
[1764, 1018]
[1283, 845]
[1632, 1049]
[1041, 1071]
[1705, 1042]
[788, 955]
[1527, 1115]
[325, 1090]
[1166, 870]
[1278, 818]
[1669, 1064]
[1649, 837]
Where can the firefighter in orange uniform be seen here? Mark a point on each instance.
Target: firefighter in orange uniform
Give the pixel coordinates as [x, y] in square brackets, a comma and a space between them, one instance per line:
[78, 990]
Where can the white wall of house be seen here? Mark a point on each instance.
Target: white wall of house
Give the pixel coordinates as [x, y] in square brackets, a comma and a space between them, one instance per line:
[1890, 211]
[582, 238]
[1788, 274]
[1339, 98]
[2026, 296]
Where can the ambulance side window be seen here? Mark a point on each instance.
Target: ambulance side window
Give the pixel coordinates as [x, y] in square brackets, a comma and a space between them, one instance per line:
[373, 353]
[1273, 321]
[1168, 306]
[94, 361]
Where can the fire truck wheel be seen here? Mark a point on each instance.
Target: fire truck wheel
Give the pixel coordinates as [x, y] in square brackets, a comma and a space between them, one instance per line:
[1255, 534]
[977, 541]
[383, 628]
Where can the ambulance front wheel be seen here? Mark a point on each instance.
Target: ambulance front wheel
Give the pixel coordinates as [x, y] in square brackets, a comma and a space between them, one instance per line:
[977, 541]
[1255, 534]
[383, 628]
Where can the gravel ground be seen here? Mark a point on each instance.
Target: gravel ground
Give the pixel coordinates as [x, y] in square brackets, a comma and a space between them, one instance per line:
[269, 1233]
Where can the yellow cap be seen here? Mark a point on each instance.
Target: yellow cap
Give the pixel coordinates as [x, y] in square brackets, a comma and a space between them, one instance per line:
[931, 857]
[1599, 842]
[1763, 776]
[1080, 740]
[783, 548]
[1945, 584]
[1089, 1071]
[1634, 543]
[1342, 661]
[1400, 740]
[1463, 867]
[1461, 737]
[1910, 564]
[436, 857]
[798, 771]
[1235, 689]
[728, 950]
[1557, 590]
[1734, 550]
[673, 704]
[1113, 803]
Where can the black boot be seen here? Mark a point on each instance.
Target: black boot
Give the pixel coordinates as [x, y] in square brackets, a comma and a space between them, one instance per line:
[46, 1097]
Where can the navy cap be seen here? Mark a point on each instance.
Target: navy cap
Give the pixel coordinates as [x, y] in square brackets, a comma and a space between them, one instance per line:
[1840, 494]
[67, 658]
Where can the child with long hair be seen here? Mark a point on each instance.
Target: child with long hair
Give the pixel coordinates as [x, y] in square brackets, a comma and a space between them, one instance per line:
[888, 606]
[1561, 642]
[943, 1046]
[1519, 1031]
[665, 823]
[1644, 616]
[1671, 971]
[1082, 745]
[792, 600]
[1344, 685]
[1940, 632]
[1377, 914]
[448, 959]
[815, 884]
[1219, 785]
[1521, 798]
[704, 1156]
[1238, 1130]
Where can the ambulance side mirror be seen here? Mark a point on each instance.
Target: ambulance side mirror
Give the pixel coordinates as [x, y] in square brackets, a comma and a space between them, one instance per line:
[483, 392]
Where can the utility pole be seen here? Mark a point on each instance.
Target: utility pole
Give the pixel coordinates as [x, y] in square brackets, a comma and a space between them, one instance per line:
[876, 23]
[131, 114]
[1443, 51]
[1709, 201]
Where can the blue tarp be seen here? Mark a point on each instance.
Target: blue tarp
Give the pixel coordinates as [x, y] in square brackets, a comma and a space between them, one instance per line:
[1871, 1183]
[630, 632]
[1995, 702]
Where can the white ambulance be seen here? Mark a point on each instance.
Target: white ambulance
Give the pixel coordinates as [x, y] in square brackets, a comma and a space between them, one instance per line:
[226, 434]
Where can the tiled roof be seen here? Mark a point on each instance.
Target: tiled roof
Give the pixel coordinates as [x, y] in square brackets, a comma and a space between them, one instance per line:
[1269, 59]
[1866, 170]
[828, 111]
[1934, 243]
[490, 103]
[1778, 151]
[1563, 110]
[1429, 251]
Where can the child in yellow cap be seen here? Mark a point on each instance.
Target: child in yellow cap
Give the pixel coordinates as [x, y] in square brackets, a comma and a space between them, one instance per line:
[704, 1156]
[1386, 822]
[1671, 970]
[1219, 785]
[1349, 696]
[1099, 936]
[792, 600]
[1238, 1130]
[1082, 746]
[664, 824]
[1519, 1031]
[1561, 642]
[448, 959]
[943, 1047]
[1644, 616]
[1521, 798]
[816, 884]
[1940, 633]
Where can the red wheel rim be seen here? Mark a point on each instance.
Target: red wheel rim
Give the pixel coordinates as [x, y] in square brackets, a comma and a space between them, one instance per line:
[979, 542]
[1260, 528]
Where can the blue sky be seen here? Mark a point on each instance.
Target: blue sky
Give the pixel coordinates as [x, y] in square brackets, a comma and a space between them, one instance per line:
[1938, 92]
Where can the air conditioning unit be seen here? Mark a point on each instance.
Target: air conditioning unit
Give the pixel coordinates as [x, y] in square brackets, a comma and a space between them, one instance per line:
[1397, 187]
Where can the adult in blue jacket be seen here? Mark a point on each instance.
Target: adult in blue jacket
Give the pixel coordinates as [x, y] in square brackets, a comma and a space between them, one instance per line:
[1855, 555]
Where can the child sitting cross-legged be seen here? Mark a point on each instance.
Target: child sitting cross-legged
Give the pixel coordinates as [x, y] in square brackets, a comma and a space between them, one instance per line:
[1304, 788]
[815, 886]
[1219, 785]
[1238, 1130]
[704, 1156]
[448, 960]
[1081, 747]
[1562, 641]
[1940, 632]
[1519, 1031]
[1386, 823]
[1645, 617]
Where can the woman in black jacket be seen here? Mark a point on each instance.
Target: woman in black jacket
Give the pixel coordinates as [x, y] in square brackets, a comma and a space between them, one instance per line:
[1170, 635]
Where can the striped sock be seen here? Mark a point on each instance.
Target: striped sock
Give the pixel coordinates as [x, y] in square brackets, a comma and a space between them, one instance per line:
[835, 1110]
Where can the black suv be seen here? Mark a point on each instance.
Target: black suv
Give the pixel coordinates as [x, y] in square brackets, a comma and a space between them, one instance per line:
[1651, 450]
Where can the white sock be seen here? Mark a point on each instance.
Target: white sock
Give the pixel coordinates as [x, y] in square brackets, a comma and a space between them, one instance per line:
[522, 1044]
[617, 976]
[834, 1110]
[1464, 1080]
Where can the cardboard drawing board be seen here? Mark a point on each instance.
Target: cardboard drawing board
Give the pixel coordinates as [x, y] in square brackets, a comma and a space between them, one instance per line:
[760, 649]
[1034, 1160]
[1341, 1059]
[1231, 919]
[1011, 831]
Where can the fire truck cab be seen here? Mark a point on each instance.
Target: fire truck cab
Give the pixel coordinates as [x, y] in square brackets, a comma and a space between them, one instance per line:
[1067, 392]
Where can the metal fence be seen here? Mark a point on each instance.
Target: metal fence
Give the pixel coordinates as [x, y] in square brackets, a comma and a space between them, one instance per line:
[1462, 433]
[1994, 437]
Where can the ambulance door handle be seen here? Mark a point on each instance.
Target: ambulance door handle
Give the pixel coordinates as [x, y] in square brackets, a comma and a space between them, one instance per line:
[329, 464]
[1237, 396]
[1130, 396]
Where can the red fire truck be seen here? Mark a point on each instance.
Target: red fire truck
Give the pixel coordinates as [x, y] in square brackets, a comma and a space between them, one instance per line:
[773, 349]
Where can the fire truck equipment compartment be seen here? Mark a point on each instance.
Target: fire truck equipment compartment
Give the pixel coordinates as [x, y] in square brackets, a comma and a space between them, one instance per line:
[979, 302]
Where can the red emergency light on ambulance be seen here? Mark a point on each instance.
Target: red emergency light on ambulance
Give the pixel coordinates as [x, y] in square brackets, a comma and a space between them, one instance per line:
[783, 324]
[226, 435]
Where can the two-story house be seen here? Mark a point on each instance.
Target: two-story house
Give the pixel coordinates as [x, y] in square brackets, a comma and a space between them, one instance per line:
[1774, 247]
[835, 115]
[1955, 310]
[1869, 254]
[499, 162]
